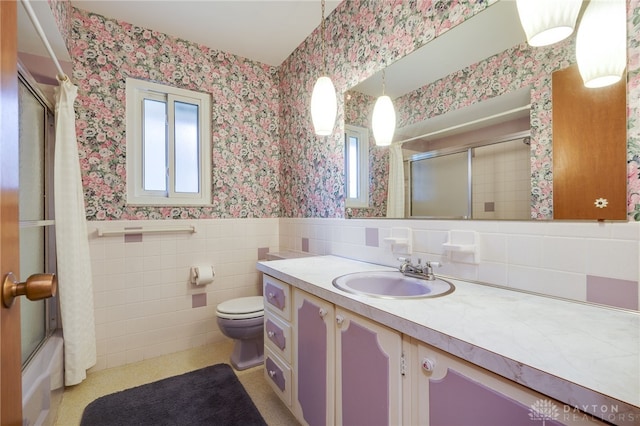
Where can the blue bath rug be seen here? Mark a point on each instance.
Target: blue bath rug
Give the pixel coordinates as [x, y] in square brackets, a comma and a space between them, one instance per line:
[209, 396]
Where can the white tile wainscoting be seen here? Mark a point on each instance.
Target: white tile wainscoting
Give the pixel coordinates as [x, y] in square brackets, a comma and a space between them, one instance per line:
[146, 307]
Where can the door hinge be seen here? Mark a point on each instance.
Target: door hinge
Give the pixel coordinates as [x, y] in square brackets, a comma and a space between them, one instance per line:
[403, 365]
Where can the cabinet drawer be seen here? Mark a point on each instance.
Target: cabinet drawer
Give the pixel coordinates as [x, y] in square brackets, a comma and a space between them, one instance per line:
[277, 335]
[278, 374]
[277, 297]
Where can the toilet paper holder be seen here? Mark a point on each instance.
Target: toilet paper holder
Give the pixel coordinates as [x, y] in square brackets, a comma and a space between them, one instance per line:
[202, 274]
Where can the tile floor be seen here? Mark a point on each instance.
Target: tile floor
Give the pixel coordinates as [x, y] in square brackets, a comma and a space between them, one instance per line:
[104, 382]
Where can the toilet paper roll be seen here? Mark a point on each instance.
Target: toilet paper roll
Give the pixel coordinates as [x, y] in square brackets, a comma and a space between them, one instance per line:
[202, 274]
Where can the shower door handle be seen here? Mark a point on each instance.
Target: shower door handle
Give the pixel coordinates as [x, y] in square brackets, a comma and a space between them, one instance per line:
[37, 286]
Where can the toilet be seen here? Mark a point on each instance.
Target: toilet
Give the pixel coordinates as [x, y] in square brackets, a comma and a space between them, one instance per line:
[242, 319]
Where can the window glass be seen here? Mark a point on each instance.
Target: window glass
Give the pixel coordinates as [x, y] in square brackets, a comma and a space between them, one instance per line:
[353, 190]
[168, 145]
[187, 163]
[357, 166]
[154, 146]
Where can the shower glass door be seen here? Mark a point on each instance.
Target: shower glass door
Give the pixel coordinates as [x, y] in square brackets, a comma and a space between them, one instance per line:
[36, 224]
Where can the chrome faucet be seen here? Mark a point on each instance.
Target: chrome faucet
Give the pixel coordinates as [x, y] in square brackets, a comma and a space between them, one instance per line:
[418, 271]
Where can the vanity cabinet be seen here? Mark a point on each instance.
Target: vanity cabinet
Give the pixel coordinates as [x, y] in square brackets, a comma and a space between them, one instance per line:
[368, 372]
[314, 367]
[448, 391]
[346, 368]
[277, 337]
[332, 366]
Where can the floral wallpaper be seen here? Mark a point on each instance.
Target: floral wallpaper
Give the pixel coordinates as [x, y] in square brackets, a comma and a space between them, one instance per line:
[62, 10]
[362, 36]
[633, 109]
[515, 68]
[365, 35]
[267, 162]
[245, 104]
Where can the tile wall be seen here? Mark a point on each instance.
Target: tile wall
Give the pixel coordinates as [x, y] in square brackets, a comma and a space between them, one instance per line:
[145, 305]
[596, 262]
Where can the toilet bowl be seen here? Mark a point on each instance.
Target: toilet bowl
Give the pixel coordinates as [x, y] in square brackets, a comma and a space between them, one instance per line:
[242, 319]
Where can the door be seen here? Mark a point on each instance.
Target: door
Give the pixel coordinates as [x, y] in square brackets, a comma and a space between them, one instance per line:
[314, 372]
[368, 372]
[10, 371]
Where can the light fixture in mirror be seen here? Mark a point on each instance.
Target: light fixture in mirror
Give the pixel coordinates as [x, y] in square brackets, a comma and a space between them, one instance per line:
[601, 43]
[548, 21]
[383, 121]
[469, 66]
[324, 104]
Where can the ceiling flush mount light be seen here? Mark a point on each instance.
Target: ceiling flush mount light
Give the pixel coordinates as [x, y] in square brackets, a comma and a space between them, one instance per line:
[601, 43]
[324, 105]
[383, 121]
[548, 21]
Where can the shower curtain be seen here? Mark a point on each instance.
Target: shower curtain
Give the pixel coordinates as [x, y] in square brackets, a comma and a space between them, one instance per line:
[72, 245]
[395, 191]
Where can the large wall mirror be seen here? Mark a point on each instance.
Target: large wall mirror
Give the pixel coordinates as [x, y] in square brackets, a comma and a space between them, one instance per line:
[474, 124]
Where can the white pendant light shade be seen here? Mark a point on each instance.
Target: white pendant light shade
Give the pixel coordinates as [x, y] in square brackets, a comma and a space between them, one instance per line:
[548, 21]
[324, 106]
[383, 121]
[601, 44]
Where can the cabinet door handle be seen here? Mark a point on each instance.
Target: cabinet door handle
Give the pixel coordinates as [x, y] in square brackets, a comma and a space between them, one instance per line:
[272, 373]
[270, 295]
[271, 333]
[322, 312]
[428, 364]
[339, 320]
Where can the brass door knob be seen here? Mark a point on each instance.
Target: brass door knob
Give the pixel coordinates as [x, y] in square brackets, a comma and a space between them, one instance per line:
[37, 286]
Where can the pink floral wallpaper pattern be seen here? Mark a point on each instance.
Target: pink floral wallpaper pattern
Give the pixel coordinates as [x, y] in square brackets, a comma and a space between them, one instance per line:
[266, 160]
[245, 105]
[513, 69]
[365, 35]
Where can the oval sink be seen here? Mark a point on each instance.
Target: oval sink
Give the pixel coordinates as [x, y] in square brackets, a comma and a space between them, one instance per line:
[392, 285]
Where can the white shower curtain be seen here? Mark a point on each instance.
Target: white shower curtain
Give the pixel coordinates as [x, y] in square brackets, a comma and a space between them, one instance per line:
[395, 191]
[72, 245]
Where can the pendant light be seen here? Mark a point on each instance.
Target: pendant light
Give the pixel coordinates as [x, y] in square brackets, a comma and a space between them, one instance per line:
[383, 120]
[601, 43]
[324, 105]
[548, 21]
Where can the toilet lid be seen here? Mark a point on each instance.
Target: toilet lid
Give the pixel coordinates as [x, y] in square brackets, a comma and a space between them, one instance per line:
[242, 307]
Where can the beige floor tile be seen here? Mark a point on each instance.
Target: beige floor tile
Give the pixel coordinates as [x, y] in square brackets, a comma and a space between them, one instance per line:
[104, 382]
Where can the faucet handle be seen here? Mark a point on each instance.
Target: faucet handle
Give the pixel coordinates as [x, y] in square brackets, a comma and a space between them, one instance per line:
[431, 264]
[405, 259]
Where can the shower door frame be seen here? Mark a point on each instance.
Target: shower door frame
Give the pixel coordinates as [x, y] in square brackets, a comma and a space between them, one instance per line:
[50, 304]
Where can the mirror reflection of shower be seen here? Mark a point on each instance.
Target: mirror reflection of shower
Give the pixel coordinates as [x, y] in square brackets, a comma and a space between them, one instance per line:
[488, 181]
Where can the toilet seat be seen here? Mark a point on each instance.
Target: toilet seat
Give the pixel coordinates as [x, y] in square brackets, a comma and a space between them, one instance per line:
[241, 308]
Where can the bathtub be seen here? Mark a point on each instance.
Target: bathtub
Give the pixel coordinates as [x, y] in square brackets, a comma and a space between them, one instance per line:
[43, 383]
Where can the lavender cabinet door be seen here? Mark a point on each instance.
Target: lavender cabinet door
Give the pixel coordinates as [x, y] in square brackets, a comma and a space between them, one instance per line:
[368, 372]
[453, 392]
[314, 361]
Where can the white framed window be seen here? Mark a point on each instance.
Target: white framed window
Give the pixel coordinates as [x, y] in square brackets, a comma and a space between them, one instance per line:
[357, 166]
[168, 145]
